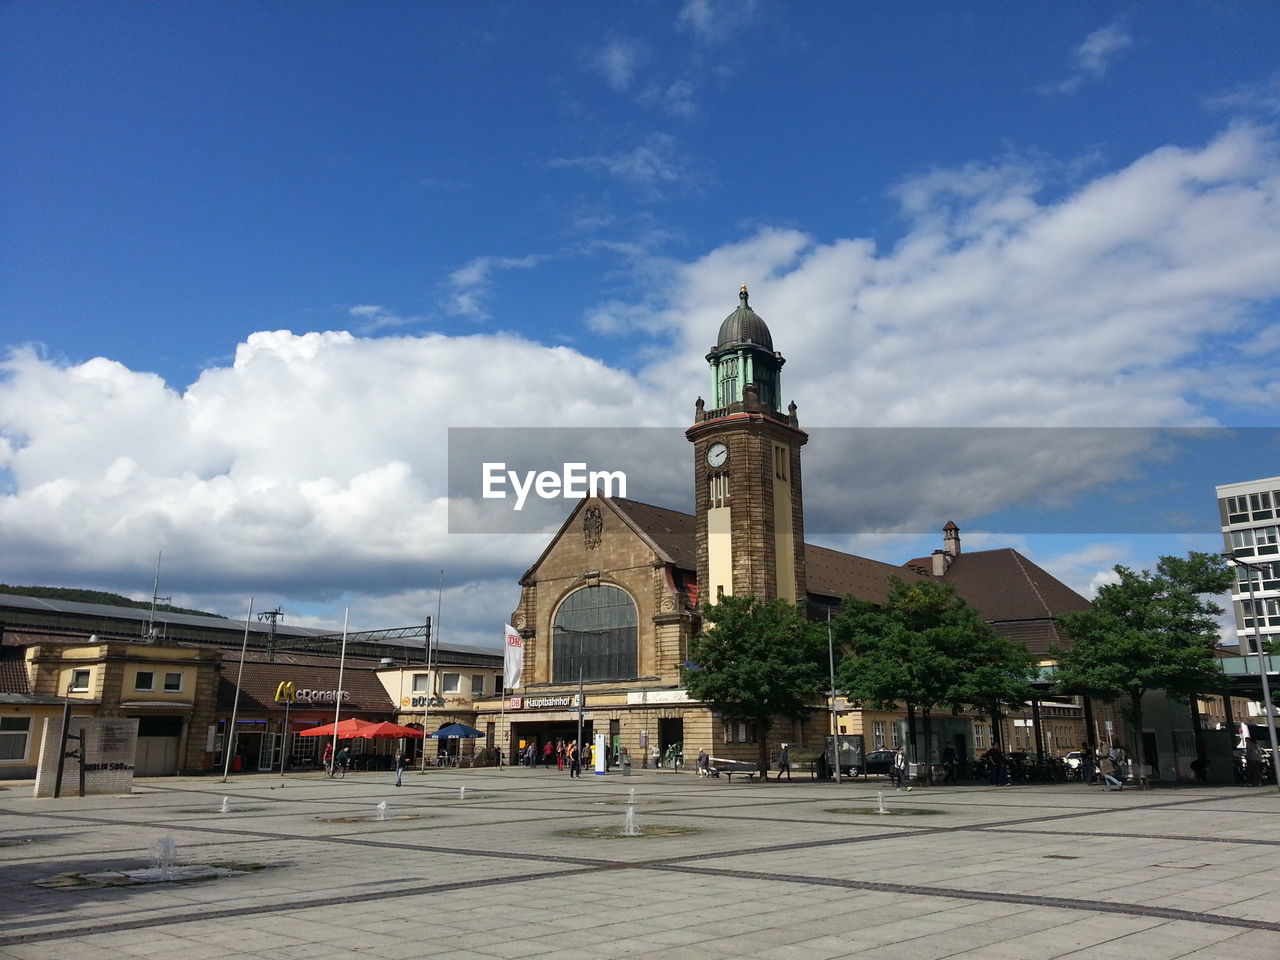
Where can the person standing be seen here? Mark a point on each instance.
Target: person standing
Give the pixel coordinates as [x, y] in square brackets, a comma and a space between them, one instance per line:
[704, 763]
[560, 755]
[399, 767]
[949, 763]
[571, 754]
[784, 763]
[656, 756]
[995, 766]
[1087, 762]
[328, 755]
[901, 773]
[547, 750]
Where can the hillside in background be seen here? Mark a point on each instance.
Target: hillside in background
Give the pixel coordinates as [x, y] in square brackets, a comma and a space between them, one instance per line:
[95, 596]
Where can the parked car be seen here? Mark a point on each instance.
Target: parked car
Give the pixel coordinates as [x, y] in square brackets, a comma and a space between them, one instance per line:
[878, 761]
[1072, 760]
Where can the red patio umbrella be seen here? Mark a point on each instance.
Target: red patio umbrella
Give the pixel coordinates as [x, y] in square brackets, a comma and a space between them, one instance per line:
[386, 730]
[346, 729]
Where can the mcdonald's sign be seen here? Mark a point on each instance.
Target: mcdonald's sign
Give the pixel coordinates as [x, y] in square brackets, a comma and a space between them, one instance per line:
[287, 692]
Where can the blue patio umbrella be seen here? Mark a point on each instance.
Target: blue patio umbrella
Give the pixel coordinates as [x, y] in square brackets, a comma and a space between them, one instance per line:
[460, 730]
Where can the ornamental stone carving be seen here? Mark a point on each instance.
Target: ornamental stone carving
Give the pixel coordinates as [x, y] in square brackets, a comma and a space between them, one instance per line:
[592, 526]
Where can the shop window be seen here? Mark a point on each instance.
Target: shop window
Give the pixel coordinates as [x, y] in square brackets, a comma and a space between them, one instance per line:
[15, 733]
[80, 681]
[173, 683]
[304, 748]
[452, 682]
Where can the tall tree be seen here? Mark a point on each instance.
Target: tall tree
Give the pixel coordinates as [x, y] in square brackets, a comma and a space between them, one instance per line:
[757, 660]
[1148, 631]
[925, 647]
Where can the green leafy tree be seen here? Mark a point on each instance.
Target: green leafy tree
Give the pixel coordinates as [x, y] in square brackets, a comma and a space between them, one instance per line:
[757, 660]
[1149, 631]
[925, 647]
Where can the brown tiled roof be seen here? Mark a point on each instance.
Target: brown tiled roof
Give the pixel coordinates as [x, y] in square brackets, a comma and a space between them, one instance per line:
[261, 678]
[830, 573]
[1001, 585]
[672, 532]
[13, 673]
[1004, 585]
[1037, 636]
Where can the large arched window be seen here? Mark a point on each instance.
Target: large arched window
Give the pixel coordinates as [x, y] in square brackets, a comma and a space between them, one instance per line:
[595, 633]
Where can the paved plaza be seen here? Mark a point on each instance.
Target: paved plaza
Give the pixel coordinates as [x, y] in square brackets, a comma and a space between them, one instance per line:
[803, 870]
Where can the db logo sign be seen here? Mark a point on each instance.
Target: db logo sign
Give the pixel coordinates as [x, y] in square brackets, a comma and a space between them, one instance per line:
[515, 703]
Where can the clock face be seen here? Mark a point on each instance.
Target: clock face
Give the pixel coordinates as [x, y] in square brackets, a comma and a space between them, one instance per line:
[717, 454]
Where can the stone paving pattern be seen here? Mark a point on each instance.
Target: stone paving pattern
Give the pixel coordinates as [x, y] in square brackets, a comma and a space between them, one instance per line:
[776, 870]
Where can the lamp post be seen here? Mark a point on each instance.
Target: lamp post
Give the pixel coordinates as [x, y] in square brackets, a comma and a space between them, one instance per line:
[1262, 664]
[835, 716]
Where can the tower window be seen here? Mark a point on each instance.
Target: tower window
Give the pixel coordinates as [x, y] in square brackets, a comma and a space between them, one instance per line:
[718, 490]
[780, 458]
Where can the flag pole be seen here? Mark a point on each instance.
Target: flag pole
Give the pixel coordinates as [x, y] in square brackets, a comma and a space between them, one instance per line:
[229, 740]
[337, 699]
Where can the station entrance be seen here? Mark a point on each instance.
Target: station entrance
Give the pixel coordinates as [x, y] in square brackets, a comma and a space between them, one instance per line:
[542, 732]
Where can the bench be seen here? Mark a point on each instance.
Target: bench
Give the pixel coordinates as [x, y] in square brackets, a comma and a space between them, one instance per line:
[730, 767]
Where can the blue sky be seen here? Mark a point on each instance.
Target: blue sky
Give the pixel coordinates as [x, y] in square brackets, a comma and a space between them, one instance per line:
[259, 256]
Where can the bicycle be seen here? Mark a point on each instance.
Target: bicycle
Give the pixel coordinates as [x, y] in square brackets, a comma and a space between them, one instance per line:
[336, 771]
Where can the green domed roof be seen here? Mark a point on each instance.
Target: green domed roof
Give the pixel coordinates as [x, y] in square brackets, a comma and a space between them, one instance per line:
[744, 325]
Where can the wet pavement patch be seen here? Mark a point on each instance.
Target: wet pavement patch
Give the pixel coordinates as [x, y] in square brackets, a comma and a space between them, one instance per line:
[619, 832]
[149, 876]
[894, 811]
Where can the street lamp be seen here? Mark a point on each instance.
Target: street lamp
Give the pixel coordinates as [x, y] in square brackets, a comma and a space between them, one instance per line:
[1262, 663]
[835, 716]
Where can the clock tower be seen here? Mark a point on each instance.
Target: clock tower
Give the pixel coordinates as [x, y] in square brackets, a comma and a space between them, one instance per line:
[750, 507]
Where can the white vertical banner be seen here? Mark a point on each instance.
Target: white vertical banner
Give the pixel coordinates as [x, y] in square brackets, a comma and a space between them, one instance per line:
[513, 663]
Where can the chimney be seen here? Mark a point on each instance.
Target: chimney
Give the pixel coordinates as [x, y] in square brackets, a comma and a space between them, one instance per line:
[940, 562]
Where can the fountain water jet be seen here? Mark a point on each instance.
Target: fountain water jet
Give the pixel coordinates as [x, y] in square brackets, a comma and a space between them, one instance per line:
[629, 829]
[462, 793]
[226, 805]
[880, 807]
[382, 811]
[164, 852]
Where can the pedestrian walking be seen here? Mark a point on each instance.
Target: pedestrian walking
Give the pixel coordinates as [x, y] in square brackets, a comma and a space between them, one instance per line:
[1110, 772]
[784, 763]
[704, 763]
[399, 767]
[560, 755]
[571, 755]
[656, 756]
